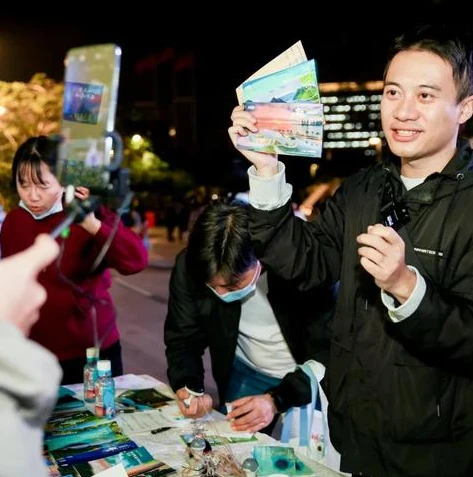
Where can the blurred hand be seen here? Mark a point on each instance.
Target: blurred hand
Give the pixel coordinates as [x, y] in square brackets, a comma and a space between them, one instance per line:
[199, 406]
[382, 256]
[82, 193]
[91, 224]
[21, 296]
[252, 413]
[243, 121]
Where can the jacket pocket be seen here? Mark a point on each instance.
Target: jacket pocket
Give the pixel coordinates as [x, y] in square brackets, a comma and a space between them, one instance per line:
[334, 383]
[335, 377]
[421, 401]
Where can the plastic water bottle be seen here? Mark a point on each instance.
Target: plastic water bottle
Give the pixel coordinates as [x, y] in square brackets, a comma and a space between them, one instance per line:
[104, 390]
[90, 374]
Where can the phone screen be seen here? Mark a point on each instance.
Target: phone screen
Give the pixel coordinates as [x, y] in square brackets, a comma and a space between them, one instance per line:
[88, 117]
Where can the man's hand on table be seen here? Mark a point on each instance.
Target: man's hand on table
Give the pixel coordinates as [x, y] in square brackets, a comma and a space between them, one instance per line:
[252, 413]
[193, 406]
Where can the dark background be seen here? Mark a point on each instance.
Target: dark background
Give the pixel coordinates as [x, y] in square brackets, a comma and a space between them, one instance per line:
[348, 40]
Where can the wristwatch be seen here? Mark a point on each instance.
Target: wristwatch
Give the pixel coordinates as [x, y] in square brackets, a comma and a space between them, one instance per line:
[276, 399]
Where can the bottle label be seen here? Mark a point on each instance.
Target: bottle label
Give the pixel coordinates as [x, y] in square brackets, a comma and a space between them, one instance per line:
[90, 378]
[104, 400]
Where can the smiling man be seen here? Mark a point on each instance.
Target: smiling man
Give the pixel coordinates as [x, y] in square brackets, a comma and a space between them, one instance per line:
[398, 236]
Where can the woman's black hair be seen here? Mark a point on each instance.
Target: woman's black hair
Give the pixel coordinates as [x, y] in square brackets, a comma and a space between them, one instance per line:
[30, 155]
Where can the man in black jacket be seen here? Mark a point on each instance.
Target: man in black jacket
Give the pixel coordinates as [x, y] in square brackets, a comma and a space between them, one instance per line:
[398, 236]
[256, 326]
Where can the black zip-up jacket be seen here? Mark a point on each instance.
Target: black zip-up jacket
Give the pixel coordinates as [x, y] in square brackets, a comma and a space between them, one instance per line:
[400, 394]
[197, 320]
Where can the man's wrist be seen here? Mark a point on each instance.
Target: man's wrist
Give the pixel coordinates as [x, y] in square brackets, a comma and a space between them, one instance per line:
[402, 293]
[192, 394]
[277, 400]
[267, 171]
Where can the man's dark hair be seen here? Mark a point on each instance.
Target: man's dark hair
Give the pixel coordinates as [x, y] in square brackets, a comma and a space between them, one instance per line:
[450, 44]
[31, 154]
[219, 242]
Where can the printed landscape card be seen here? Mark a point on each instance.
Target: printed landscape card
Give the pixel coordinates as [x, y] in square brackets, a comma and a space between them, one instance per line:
[135, 462]
[290, 57]
[143, 399]
[71, 421]
[294, 129]
[81, 445]
[294, 84]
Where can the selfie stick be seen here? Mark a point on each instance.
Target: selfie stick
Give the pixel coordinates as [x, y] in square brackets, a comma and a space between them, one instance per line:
[119, 184]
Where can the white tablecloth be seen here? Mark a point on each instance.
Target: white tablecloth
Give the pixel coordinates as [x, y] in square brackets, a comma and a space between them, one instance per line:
[168, 446]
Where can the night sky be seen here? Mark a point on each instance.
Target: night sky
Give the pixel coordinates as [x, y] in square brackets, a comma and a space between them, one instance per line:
[348, 42]
[348, 39]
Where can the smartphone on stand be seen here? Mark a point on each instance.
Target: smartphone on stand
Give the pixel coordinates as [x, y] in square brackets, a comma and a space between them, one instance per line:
[86, 150]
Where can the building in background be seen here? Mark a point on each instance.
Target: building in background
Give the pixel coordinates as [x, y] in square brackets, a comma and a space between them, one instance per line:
[353, 136]
[352, 116]
[185, 108]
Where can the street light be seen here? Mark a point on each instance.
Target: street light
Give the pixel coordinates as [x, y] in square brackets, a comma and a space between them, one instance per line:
[378, 146]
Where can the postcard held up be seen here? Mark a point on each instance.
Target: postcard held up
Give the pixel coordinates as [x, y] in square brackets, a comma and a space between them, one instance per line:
[286, 104]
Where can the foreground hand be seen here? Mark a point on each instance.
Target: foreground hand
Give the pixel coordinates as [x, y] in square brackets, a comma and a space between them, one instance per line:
[382, 253]
[199, 406]
[21, 296]
[252, 413]
[243, 122]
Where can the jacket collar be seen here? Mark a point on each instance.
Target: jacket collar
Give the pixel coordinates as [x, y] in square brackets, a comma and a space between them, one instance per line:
[456, 175]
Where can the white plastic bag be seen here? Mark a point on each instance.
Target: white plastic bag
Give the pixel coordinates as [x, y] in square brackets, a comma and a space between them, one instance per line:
[305, 428]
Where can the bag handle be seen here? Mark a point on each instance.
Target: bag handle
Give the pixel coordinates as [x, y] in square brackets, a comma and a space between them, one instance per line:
[306, 414]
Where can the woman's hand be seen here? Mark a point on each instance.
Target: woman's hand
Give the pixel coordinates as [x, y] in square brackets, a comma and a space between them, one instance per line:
[82, 193]
[91, 224]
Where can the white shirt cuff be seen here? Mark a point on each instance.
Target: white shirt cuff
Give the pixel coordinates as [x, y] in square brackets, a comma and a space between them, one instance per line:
[405, 310]
[269, 193]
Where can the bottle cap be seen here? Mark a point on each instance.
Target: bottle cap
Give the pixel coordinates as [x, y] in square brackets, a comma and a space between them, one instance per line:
[104, 365]
[92, 353]
[198, 444]
[250, 464]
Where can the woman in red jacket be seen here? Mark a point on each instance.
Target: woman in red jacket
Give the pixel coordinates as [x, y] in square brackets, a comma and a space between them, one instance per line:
[79, 312]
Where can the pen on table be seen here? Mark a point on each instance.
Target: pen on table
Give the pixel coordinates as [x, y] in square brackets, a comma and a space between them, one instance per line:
[160, 429]
[126, 410]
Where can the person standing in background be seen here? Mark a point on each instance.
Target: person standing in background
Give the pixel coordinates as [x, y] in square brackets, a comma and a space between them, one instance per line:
[79, 312]
[136, 221]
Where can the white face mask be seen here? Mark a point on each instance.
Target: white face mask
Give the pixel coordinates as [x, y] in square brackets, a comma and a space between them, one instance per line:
[57, 207]
[242, 292]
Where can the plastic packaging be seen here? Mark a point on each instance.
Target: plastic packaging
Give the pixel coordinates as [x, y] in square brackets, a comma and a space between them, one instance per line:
[105, 391]
[90, 374]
